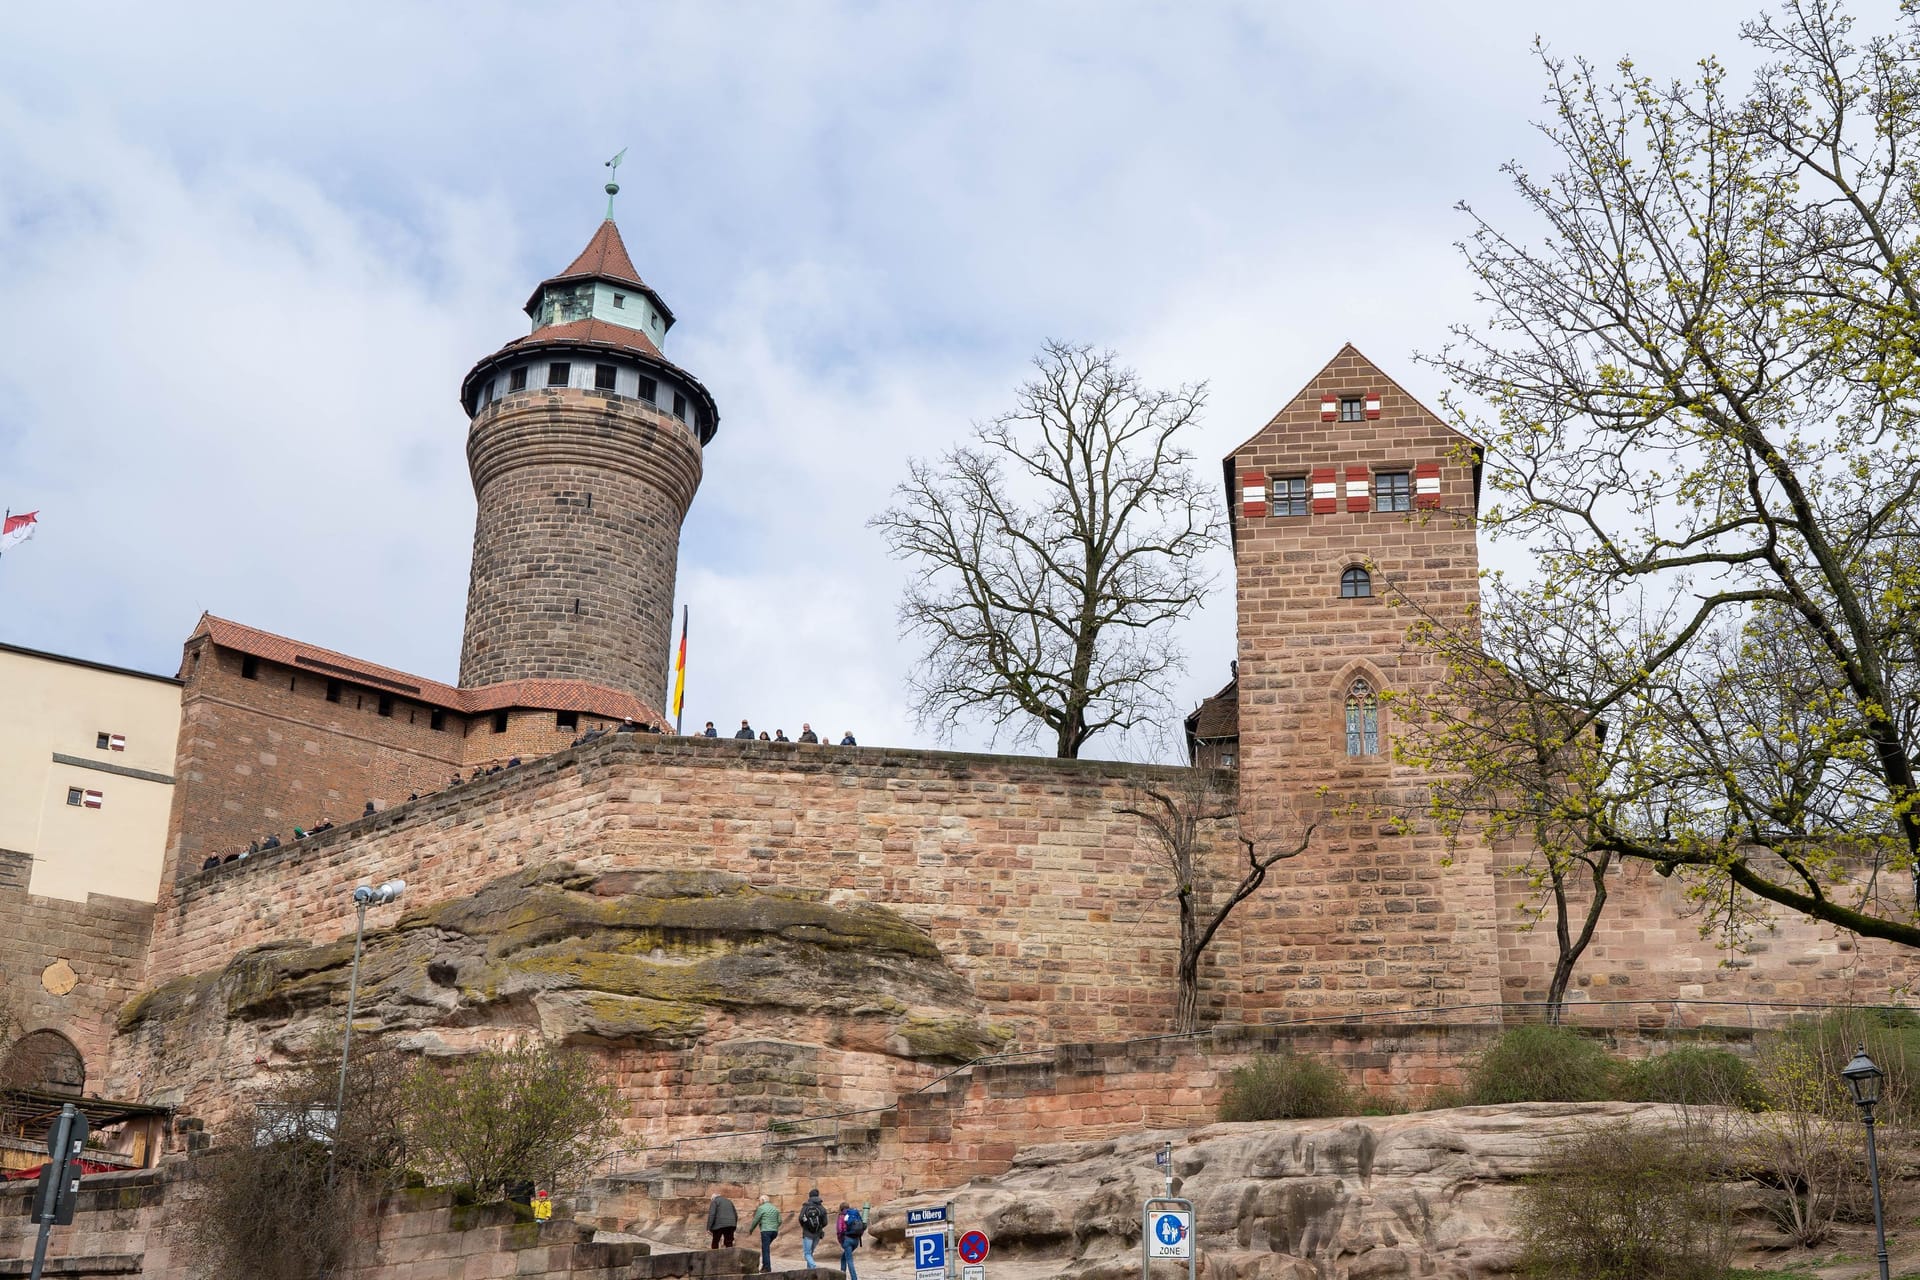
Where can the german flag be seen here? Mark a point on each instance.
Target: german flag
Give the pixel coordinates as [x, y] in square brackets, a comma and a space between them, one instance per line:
[680, 672]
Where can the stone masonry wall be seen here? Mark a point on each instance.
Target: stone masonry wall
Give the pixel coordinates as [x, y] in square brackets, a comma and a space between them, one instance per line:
[1376, 916]
[103, 941]
[1032, 882]
[576, 540]
[136, 1224]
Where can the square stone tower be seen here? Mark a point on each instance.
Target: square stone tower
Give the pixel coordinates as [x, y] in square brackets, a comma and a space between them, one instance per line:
[1352, 511]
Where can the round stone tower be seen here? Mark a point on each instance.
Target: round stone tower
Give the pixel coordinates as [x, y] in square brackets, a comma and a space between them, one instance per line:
[585, 446]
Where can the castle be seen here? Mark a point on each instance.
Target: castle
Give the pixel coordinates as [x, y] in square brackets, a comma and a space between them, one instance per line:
[867, 917]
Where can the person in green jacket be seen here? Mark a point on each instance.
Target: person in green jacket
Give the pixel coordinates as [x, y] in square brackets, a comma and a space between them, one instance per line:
[766, 1220]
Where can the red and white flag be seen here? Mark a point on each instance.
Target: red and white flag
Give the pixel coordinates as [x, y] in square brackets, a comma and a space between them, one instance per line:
[17, 529]
[91, 799]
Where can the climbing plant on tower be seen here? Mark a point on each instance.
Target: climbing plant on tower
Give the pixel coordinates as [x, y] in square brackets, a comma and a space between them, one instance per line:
[1697, 384]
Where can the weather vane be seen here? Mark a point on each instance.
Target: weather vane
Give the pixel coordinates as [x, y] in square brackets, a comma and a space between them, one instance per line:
[613, 183]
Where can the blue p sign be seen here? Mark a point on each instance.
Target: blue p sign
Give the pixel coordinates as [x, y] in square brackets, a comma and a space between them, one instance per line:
[930, 1252]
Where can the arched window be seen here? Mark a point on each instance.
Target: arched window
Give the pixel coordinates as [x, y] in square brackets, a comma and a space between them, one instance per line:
[1356, 584]
[1363, 720]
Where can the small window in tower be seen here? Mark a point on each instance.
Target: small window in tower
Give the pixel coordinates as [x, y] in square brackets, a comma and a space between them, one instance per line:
[566, 719]
[649, 389]
[102, 741]
[517, 380]
[679, 406]
[74, 795]
[1392, 491]
[386, 704]
[620, 300]
[333, 691]
[249, 667]
[1363, 720]
[603, 375]
[500, 722]
[437, 721]
[1290, 495]
[1353, 409]
[558, 372]
[1356, 584]
[486, 395]
[656, 320]
[704, 421]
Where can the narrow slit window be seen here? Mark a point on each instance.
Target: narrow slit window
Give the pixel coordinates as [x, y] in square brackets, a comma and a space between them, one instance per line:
[333, 691]
[386, 704]
[1363, 720]
[249, 667]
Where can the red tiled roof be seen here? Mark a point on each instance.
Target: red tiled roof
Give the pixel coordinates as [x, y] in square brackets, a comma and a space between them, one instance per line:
[599, 332]
[605, 258]
[545, 695]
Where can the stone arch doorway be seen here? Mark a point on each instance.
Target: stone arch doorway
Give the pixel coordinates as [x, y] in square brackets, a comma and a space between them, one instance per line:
[44, 1060]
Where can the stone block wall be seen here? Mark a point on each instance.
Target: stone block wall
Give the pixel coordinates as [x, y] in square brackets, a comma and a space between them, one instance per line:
[270, 753]
[68, 967]
[576, 539]
[1376, 916]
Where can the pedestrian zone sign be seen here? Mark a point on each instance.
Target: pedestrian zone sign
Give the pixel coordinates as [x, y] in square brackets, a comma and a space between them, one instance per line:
[930, 1252]
[1170, 1234]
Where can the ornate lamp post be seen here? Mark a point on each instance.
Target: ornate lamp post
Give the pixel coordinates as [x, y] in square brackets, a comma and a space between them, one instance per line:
[363, 897]
[1863, 1078]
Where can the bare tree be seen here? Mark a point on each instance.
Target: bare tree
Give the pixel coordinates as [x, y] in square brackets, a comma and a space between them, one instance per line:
[1700, 415]
[1054, 553]
[1180, 815]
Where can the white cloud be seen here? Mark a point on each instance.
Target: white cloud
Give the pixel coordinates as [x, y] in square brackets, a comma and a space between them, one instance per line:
[245, 260]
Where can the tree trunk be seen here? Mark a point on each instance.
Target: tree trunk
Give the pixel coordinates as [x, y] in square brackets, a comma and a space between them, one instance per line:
[1571, 948]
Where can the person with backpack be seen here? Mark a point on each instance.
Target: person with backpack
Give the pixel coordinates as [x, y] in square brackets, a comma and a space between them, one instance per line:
[813, 1224]
[850, 1228]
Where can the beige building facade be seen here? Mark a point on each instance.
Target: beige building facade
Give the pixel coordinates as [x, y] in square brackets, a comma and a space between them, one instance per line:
[86, 774]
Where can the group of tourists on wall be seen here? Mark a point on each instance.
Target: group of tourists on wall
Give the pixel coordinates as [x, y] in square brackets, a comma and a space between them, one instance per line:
[849, 1228]
[745, 733]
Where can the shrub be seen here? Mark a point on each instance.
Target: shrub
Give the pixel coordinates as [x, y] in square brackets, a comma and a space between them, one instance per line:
[1543, 1064]
[1285, 1086]
[1620, 1203]
[504, 1118]
[1694, 1077]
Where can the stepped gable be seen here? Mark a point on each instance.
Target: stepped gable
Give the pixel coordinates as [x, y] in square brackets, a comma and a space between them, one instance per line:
[543, 695]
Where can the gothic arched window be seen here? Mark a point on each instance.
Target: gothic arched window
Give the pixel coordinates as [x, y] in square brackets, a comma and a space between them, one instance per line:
[1355, 584]
[1363, 720]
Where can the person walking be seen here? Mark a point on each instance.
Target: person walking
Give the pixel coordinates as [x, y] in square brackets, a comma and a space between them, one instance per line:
[813, 1225]
[766, 1220]
[850, 1228]
[722, 1218]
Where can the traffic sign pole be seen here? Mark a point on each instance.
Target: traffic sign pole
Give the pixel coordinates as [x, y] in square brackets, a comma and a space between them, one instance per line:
[59, 1180]
[1166, 1231]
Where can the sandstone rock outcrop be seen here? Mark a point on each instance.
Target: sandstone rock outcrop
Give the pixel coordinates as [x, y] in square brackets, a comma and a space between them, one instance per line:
[1428, 1195]
[621, 959]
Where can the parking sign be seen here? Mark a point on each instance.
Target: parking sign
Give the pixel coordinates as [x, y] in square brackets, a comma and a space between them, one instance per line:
[930, 1253]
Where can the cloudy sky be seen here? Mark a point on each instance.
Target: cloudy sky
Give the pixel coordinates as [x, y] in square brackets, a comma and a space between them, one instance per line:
[247, 253]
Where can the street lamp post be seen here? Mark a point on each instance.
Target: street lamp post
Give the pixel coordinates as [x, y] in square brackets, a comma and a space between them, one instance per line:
[363, 897]
[1863, 1078]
